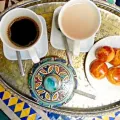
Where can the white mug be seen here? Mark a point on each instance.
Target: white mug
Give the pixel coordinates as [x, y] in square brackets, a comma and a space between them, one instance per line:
[89, 40]
[11, 16]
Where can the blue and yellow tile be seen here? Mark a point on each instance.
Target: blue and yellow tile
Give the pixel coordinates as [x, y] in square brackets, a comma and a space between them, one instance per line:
[1, 94]
[25, 112]
[13, 101]
[107, 117]
[31, 117]
[20, 108]
[2, 89]
[26, 106]
[18, 113]
[6, 95]
[12, 107]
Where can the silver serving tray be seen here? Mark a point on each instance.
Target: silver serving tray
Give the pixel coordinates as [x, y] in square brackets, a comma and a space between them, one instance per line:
[65, 110]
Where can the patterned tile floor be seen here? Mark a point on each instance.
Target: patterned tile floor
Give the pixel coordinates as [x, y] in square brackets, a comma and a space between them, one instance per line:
[16, 109]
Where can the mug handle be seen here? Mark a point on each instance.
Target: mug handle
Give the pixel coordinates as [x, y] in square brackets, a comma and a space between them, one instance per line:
[83, 45]
[33, 54]
[76, 47]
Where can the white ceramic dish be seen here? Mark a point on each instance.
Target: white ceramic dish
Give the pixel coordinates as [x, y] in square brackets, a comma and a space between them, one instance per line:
[106, 92]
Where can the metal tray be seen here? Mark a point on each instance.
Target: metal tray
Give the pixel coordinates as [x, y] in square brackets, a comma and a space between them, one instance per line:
[17, 85]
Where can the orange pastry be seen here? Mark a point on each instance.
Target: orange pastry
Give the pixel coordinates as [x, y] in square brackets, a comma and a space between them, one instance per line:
[105, 53]
[98, 69]
[116, 59]
[113, 75]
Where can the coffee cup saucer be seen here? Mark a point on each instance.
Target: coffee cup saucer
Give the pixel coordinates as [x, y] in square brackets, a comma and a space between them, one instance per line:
[41, 47]
[56, 38]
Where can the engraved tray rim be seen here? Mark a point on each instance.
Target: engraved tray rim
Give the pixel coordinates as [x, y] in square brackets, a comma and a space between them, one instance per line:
[106, 109]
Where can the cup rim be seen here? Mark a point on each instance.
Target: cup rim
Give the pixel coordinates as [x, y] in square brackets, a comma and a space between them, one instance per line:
[62, 11]
[21, 48]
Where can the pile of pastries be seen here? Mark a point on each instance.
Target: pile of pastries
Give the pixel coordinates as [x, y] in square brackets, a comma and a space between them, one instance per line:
[99, 69]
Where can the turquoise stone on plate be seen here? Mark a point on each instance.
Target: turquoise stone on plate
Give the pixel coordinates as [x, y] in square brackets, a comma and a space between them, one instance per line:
[52, 83]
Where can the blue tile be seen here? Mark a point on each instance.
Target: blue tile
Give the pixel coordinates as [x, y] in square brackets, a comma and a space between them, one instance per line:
[1, 94]
[117, 113]
[12, 107]
[26, 106]
[6, 101]
[24, 118]
[111, 118]
[32, 111]
[51, 115]
[99, 117]
[19, 101]
[18, 113]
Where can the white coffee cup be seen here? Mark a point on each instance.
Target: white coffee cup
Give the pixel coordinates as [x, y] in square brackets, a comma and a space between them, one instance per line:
[88, 40]
[6, 21]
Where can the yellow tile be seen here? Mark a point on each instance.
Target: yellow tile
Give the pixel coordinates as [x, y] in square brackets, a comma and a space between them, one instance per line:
[25, 112]
[32, 117]
[105, 118]
[12, 101]
[112, 115]
[19, 107]
[1, 89]
[109, 115]
[6, 95]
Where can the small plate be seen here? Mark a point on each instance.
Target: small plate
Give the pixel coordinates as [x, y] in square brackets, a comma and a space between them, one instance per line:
[41, 47]
[106, 92]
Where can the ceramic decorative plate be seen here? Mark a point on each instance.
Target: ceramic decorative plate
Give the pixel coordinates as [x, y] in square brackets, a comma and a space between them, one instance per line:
[52, 82]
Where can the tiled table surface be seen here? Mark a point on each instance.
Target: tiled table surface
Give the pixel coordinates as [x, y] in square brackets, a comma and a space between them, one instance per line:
[16, 109]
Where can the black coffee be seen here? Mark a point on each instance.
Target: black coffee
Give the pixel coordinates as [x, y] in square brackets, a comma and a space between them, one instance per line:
[23, 31]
